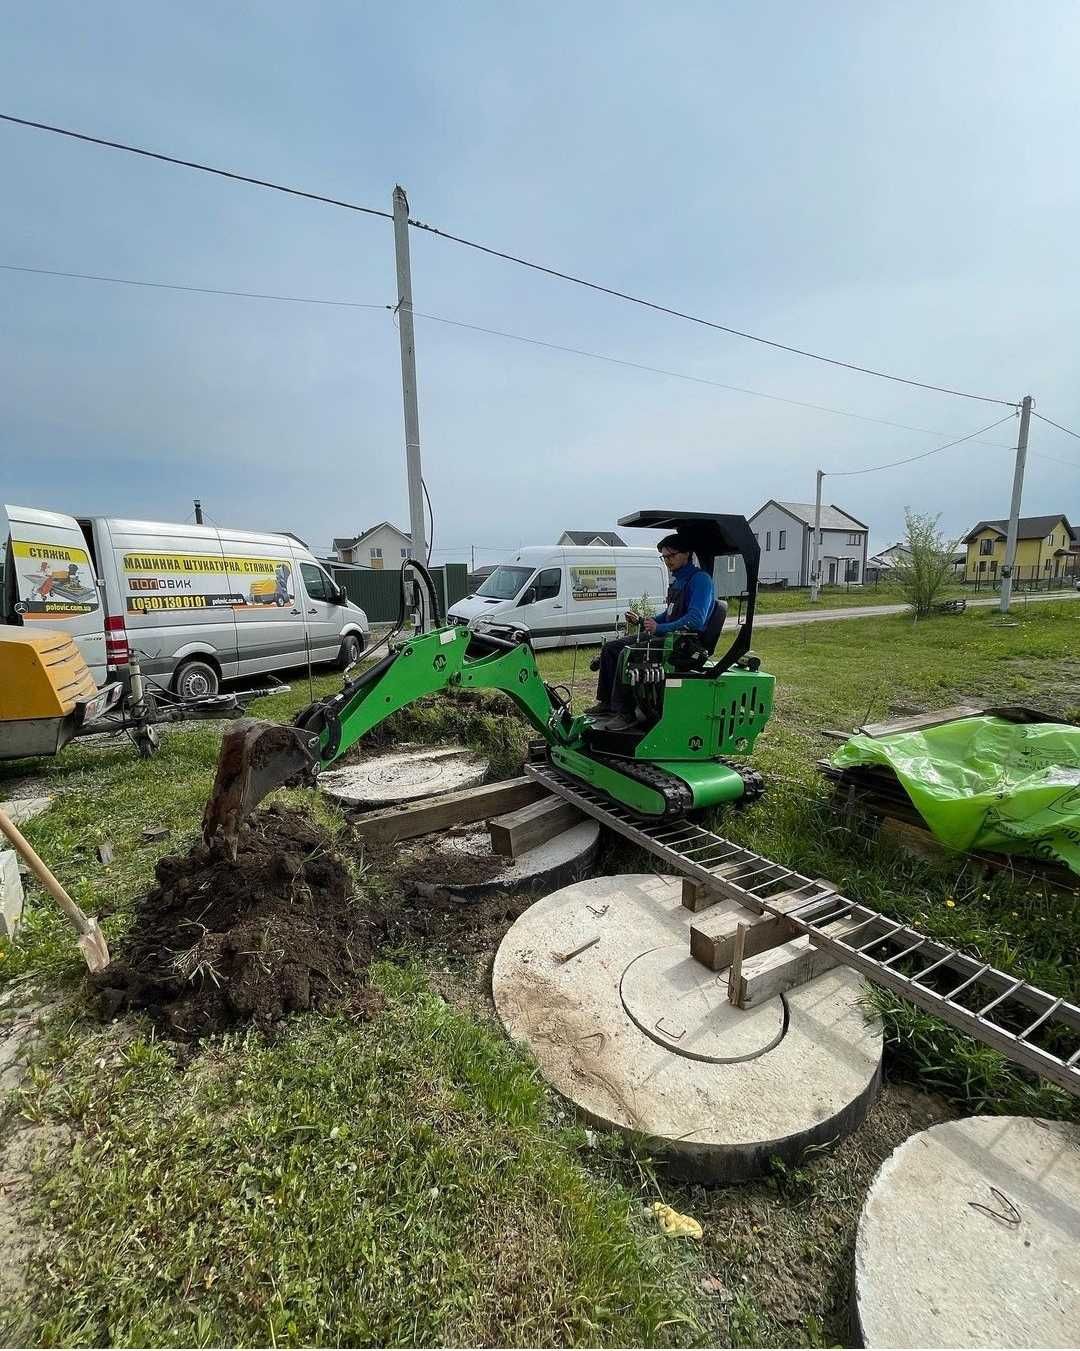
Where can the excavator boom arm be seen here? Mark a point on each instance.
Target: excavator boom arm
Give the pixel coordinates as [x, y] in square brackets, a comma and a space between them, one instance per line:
[257, 757]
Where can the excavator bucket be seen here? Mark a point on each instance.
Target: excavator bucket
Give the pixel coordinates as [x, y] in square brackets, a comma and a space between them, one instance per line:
[256, 757]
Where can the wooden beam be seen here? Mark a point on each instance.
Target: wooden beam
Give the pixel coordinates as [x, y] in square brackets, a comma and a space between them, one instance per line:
[918, 721]
[782, 968]
[696, 896]
[714, 945]
[515, 832]
[450, 809]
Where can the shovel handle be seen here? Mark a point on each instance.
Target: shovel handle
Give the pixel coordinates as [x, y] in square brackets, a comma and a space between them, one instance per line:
[23, 846]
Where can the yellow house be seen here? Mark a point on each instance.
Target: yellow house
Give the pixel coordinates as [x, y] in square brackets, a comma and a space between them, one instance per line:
[1046, 547]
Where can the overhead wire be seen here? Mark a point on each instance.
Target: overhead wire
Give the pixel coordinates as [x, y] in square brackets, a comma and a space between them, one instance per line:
[200, 290]
[1067, 430]
[480, 328]
[910, 459]
[506, 256]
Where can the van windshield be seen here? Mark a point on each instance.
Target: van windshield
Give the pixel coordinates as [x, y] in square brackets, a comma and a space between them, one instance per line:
[504, 583]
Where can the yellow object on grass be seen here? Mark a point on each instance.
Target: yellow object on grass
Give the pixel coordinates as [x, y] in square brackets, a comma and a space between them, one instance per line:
[42, 674]
[675, 1225]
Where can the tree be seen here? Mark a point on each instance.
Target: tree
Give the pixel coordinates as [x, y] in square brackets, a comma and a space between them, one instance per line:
[927, 568]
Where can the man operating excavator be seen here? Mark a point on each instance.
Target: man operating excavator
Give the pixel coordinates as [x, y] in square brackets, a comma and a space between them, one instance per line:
[690, 600]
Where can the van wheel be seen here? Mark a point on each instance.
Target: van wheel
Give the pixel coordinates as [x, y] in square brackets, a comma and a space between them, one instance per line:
[196, 679]
[351, 648]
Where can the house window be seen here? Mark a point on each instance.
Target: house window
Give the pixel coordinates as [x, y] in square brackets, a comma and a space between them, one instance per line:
[993, 567]
[731, 563]
[851, 570]
[376, 553]
[986, 546]
[982, 565]
[781, 540]
[768, 540]
[1046, 566]
[854, 538]
[406, 553]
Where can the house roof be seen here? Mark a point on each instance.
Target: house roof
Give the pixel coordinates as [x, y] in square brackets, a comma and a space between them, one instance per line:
[352, 541]
[587, 536]
[1028, 527]
[832, 518]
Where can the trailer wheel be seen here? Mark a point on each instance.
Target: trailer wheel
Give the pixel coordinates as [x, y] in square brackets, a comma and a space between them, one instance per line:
[351, 647]
[196, 678]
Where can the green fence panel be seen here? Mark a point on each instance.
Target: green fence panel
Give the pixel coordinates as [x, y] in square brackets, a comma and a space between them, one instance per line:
[377, 593]
[457, 581]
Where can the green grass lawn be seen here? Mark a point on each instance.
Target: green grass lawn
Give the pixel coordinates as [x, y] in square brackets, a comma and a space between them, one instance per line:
[410, 1180]
[781, 600]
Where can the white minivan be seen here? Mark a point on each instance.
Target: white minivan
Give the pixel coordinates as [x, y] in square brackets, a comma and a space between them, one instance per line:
[565, 595]
[199, 604]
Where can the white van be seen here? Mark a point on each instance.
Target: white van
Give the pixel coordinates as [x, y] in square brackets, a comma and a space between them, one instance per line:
[199, 604]
[567, 595]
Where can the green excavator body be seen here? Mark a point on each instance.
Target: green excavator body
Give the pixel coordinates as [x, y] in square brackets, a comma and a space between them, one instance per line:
[695, 716]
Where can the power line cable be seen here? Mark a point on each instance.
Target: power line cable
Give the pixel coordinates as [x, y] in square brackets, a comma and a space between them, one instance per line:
[200, 290]
[682, 375]
[479, 328]
[508, 257]
[871, 469]
[1067, 430]
[194, 164]
[706, 323]
[1042, 455]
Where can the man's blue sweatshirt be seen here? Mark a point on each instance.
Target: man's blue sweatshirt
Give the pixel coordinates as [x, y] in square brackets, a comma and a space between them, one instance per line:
[691, 593]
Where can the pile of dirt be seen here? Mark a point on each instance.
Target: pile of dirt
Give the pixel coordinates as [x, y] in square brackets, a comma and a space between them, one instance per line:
[218, 943]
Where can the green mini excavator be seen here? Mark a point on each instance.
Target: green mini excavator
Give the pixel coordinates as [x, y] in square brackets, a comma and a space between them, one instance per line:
[696, 714]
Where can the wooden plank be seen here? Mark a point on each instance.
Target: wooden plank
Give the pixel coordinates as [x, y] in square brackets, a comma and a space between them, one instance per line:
[782, 968]
[737, 954]
[696, 896]
[450, 809]
[918, 721]
[515, 832]
[717, 950]
[785, 966]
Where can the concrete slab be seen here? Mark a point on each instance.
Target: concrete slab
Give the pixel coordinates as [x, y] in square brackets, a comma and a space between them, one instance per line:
[404, 775]
[717, 1119]
[970, 1236]
[563, 859]
[11, 893]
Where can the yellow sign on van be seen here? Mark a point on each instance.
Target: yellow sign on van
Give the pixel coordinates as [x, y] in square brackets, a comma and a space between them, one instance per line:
[595, 583]
[182, 581]
[54, 580]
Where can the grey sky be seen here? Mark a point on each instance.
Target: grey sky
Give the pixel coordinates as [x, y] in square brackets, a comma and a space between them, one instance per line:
[891, 184]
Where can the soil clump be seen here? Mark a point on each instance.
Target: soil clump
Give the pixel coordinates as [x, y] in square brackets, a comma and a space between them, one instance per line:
[218, 943]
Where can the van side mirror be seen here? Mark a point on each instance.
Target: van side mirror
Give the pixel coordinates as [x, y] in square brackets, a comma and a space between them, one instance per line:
[340, 598]
[529, 597]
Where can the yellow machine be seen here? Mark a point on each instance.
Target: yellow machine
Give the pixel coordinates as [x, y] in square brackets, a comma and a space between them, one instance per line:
[46, 691]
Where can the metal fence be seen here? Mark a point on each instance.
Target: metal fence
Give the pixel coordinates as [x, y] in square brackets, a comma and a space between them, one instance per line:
[379, 593]
[1025, 579]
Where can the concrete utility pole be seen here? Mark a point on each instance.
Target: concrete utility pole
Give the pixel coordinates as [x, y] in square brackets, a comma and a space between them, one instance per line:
[1014, 510]
[408, 375]
[198, 512]
[815, 566]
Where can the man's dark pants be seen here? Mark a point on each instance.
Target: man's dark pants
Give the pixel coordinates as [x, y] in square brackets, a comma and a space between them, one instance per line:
[620, 697]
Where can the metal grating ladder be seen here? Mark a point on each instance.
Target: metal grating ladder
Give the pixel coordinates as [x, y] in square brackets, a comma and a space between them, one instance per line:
[990, 1005]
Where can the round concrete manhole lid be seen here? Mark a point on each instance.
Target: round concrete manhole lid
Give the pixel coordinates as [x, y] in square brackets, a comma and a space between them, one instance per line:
[403, 775]
[682, 1005]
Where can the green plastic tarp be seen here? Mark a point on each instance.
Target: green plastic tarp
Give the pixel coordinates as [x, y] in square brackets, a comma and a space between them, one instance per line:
[987, 783]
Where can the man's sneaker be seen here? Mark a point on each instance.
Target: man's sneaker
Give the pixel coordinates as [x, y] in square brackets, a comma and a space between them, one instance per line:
[600, 710]
[621, 722]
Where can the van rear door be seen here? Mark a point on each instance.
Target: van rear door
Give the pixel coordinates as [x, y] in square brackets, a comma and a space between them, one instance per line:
[50, 581]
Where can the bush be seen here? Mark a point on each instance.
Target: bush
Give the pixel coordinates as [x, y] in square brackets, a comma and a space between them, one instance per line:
[926, 570]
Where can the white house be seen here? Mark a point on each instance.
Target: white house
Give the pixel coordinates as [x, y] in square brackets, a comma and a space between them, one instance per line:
[381, 547]
[784, 533]
[605, 537]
